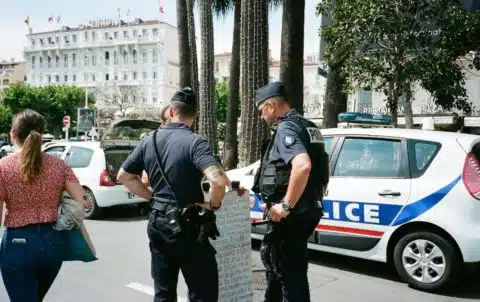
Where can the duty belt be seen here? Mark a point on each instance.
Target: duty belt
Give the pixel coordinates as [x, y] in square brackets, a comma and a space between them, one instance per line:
[162, 204]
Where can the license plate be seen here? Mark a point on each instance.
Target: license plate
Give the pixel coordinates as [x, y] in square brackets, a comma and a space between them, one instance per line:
[131, 195]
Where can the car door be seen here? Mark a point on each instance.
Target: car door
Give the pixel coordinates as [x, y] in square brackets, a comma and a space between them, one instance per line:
[369, 184]
[79, 159]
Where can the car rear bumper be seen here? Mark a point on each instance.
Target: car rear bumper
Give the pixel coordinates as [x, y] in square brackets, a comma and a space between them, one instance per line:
[114, 196]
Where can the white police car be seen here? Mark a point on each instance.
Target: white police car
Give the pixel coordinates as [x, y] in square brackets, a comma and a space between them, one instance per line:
[404, 196]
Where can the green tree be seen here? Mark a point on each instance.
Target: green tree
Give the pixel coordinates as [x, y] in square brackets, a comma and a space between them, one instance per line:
[392, 45]
[5, 119]
[53, 102]
[221, 96]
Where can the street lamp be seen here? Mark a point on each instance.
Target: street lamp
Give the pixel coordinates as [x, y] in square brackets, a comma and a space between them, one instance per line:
[86, 77]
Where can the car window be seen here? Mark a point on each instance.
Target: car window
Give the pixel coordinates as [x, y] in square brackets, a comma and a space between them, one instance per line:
[55, 151]
[421, 154]
[78, 157]
[365, 157]
[328, 141]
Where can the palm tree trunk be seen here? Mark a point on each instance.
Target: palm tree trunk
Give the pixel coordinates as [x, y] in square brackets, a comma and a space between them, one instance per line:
[335, 98]
[183, 44]
[254, 67]
[207, 125]
[193, 50]
[291, 57]
[231, 142]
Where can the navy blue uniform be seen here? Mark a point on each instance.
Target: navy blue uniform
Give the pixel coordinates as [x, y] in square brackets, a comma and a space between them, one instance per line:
[284, 247]
[287, 275]
[184, 155]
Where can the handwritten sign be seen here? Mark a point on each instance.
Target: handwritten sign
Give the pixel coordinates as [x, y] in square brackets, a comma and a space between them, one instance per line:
[234, 251]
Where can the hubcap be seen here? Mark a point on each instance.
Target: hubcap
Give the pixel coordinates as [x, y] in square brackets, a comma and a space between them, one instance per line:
[424, 261]
[89, 198]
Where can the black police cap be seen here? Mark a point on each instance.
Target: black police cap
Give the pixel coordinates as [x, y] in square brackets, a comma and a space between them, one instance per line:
[275, 89]
[185, 95]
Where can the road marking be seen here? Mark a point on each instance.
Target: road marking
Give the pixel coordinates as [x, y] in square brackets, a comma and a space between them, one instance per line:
[148, 290]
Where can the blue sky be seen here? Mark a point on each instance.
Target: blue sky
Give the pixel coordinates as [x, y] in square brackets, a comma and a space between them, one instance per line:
[13, 29]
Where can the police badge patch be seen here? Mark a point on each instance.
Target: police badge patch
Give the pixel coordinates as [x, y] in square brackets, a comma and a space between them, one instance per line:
[289, 141]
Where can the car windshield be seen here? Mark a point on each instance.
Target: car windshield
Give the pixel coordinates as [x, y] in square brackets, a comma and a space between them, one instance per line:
[128, 133]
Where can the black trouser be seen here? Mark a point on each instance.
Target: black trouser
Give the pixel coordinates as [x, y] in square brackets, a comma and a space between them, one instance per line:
[284, 253]
[172, 253]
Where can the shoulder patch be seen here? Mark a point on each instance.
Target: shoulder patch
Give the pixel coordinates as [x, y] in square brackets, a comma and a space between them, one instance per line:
[288, 141]
[315, 135]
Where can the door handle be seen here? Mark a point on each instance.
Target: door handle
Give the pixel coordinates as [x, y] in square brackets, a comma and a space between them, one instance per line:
[389, 193]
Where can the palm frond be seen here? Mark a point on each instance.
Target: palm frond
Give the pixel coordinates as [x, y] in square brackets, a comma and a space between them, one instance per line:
[223, 7]
[274, 4]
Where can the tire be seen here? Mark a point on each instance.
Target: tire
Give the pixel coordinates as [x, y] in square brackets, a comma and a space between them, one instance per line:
[447, 261]
[95, 211]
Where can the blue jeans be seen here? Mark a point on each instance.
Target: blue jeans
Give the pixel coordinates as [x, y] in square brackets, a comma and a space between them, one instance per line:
[30, 259]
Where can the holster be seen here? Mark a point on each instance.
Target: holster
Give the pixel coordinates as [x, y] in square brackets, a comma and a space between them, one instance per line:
[199, 224]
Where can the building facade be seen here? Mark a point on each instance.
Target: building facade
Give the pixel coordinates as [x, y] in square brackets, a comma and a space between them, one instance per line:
[314, 84]
[11, 72]
[422, 105]
[106, 56]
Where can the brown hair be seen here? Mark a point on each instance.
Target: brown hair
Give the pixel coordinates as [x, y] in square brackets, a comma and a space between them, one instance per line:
[29, 126]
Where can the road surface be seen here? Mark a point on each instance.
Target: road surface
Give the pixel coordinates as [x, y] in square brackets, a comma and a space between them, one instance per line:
[123, 272]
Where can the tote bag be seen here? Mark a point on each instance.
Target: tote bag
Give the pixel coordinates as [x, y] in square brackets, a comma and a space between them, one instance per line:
[70, 219]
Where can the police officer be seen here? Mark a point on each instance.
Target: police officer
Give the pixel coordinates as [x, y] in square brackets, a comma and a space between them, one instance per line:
[292, 179]
[183, 159]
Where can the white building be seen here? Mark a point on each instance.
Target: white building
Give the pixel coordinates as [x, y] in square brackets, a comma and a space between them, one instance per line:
[11, 72]
[314, 84]
[141, 55]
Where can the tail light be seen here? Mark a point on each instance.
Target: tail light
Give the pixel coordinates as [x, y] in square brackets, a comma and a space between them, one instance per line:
[106, 180]
[471, 175]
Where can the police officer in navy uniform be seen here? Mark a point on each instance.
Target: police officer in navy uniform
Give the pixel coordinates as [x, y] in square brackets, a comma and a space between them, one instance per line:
[292, 180]
[185, 158]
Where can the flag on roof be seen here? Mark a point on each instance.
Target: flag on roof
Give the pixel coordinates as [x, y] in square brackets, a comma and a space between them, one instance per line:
[161, 7]
[27, 21]
[50, 19]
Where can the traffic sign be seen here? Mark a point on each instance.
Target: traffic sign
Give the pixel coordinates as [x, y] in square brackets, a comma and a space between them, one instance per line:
[66, 120]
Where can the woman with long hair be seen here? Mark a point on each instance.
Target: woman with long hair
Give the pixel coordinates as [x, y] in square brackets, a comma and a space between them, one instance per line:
[31, 186]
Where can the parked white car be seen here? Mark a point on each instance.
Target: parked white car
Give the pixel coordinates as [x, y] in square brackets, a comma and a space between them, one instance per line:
[96, 164]
[408, 197]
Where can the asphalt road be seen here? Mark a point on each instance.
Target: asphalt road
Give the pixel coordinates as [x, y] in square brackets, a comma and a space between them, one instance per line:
[122, 273]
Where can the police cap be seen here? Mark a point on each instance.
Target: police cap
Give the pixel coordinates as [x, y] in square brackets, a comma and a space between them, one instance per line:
[185, 95]
[271, 90]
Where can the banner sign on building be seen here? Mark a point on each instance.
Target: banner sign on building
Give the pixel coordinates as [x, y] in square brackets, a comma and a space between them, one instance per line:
[86, 119]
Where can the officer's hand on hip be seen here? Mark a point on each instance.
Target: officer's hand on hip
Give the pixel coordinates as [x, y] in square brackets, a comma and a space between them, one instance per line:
[206, 206]
[277, 212]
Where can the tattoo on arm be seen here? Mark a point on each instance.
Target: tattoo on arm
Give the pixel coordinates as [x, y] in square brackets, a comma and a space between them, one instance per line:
[213, 173]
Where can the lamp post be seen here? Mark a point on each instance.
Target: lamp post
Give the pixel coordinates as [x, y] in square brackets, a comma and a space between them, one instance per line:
[86, 77]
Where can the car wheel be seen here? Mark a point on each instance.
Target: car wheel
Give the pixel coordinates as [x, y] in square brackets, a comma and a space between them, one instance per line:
[426, 261]
[95, 210]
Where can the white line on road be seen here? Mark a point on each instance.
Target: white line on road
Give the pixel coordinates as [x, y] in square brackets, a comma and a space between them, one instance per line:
[149, 290]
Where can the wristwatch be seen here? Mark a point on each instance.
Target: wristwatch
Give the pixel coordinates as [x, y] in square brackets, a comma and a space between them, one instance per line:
[286, 206]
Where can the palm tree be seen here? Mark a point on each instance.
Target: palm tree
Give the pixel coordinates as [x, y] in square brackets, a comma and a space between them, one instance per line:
[291, 57]
[254, 61]
[193, 50]
[207, 124]
[183, 44]
[335, 97]
[222, 7]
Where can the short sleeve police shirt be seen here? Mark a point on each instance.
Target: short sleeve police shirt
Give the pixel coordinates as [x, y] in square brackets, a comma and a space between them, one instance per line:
[289, 141]
[184, 157]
